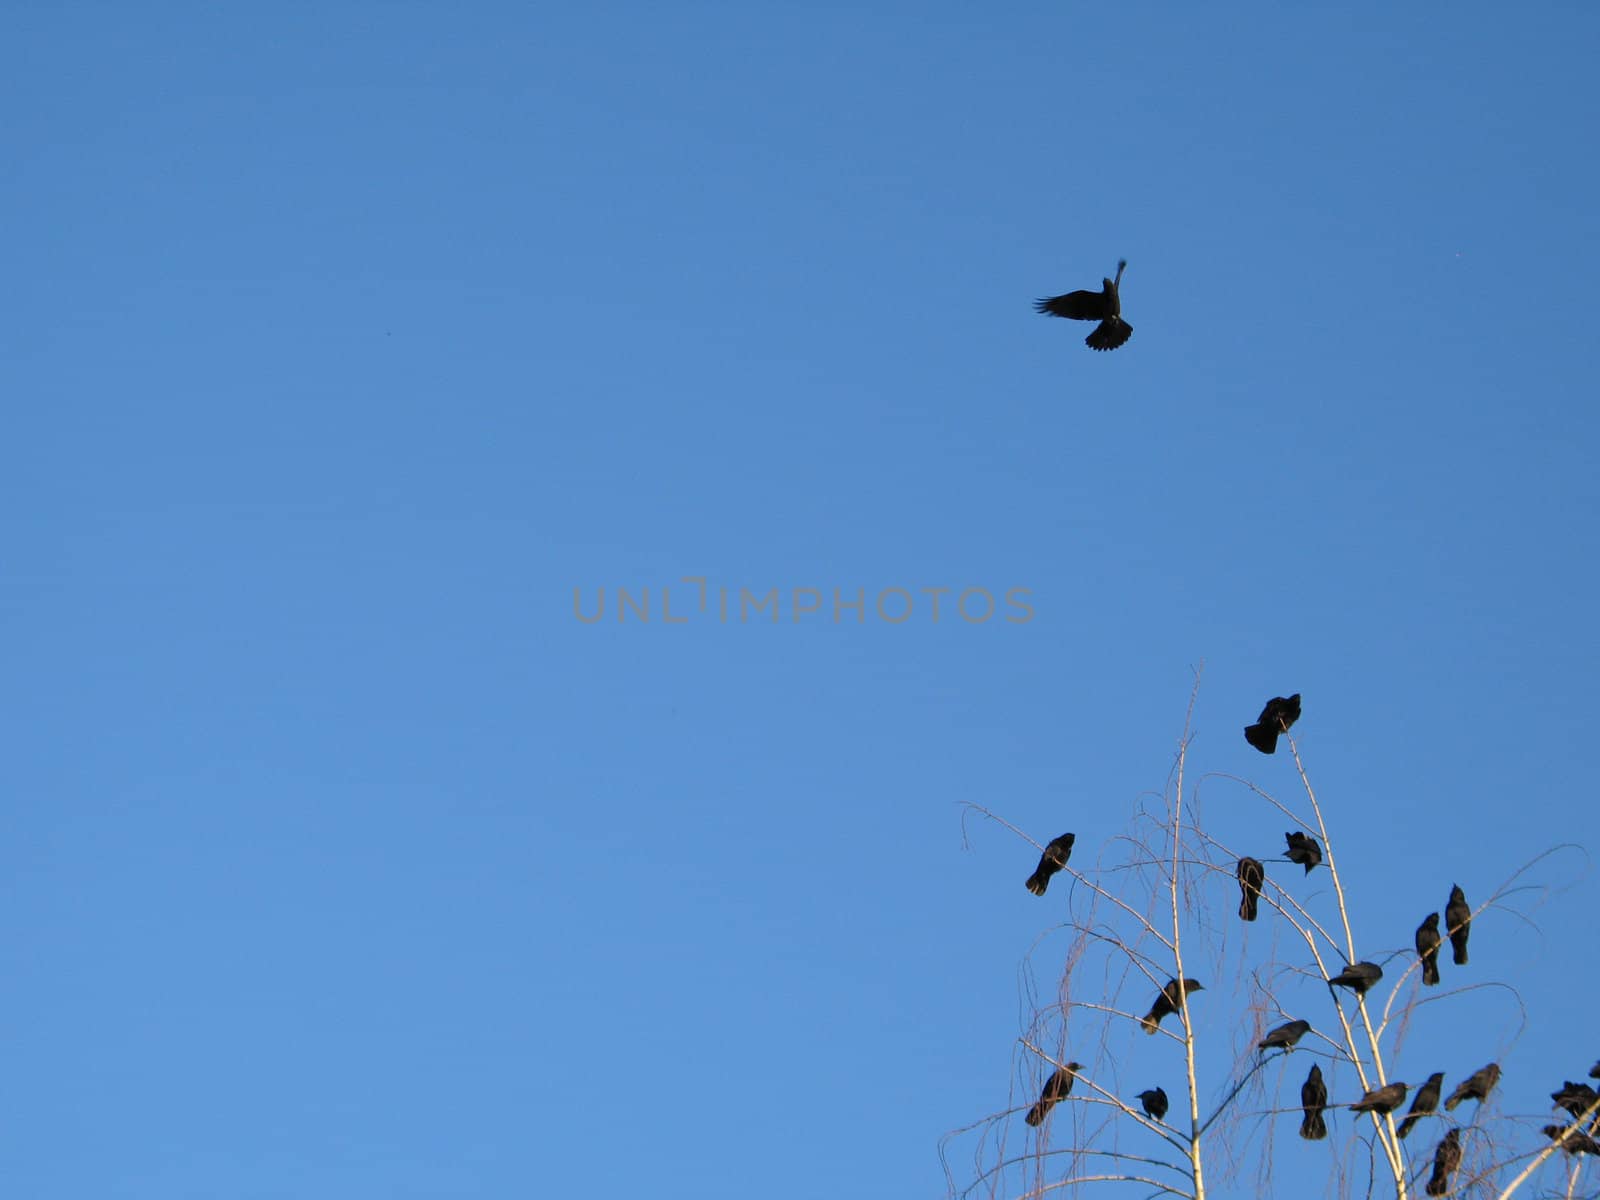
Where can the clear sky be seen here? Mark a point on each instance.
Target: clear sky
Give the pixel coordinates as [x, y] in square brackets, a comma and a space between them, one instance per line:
[342, 342]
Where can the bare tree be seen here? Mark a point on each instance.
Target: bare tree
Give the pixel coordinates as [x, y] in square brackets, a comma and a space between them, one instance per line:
[1153, 941]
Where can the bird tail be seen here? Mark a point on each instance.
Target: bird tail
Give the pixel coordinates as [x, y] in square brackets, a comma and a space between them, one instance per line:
[1109, 334]
[1450, 1104]
[1438, 1185]
[1038, 882]
[1430, 971]
[1313, 1128]
[1036, 1113]
[1261, 737]
[1458, 952]
[1247, 905]
[1405, 1126]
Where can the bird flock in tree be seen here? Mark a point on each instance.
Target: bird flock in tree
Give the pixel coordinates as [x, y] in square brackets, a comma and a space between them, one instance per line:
[1580, 1100]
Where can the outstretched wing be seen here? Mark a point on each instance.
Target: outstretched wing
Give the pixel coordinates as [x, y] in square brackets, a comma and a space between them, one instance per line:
[1079, 306]
[1110, 334]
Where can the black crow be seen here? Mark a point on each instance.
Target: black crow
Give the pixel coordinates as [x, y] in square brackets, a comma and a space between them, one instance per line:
[1104, 306]
[1314, 1098]
[1572, 1141]
[1052, 860]
[1446, 1158]
[1475, 1086]
[1056, 1088]
[1167, 1002]
[1303, 849]
[1285, 1035]
[1428, 948]
[1358, 977]
[1458, 920]
[1574, 1097]
[1251, 875]
[1381, 1100]
[1275, 718]
[1154, 1102]
[1427, 1099]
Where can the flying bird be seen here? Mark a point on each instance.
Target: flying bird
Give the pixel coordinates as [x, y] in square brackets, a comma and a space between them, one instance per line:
[1428, 940]
[1426, 1101]
[1285, 1035]
[1104, 306]
[1251, 876]
[1303, 849]
[1314, 1098]
[1275, 718]
[1167, 1002]
[1381, 1100]
[1572, 1141]
[1475, 1086]
[1446, 1158]
[1154, 1102]
[1458, 920]
[1056, 1088]
[1358, 977]
[1574, 1097]
[1052, 860]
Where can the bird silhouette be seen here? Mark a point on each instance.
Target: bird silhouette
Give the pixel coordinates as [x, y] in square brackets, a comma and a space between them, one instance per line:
[1314, 1098]
[1358, 977]
[1475, 1086]
[1572, 1141]
[1251, 876]
[1574, 1097]
[1427, 1099]
[1303, 849]
[1428, 940]
[1381, 1100]
[1167, 1002]
[1052, 860]
[1280, 713]
[1056, 1088]
[1154, 1102]
[1285, 1035]
[1446, 1158]
[1104, 306]
[1458, 920]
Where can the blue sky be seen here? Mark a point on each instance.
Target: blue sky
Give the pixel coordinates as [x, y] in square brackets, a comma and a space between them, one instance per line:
[344, 342]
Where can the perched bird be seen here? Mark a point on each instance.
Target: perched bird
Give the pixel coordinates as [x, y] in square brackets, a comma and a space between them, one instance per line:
[1458, 920]
[1427, 1099]
[1052, 860]
[1275, 718]
[1446, 1159]
[1057, 1087]
[1572, 1141]
[1251, 875]
[1381, 1100]
[1303, 849]
[1358, 977]
[1475, 1086]
[1428, 940]
[1104, 306]
[1574, 1097]
[1154, 1102]
[1314, 1098]
[1285, 1035]
[1167, 1002]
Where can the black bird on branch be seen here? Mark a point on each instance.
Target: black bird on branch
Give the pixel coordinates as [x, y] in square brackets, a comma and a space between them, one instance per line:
[1251, 876]
[1381, 1100]
[1056, 1088]
[1574, 1097]
[1428, 940]
[1572, 1141]
[1285, 1036]
[1358, 977]
[1104, 306]
[1427, 1100]
[1052, 860]
[1458, 920]
[1280, 713]
[1167, 1002]
[1446, 1160]
[1476, 1086]
[1314, 1098]
[1303, 849]
[1155, 1103]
